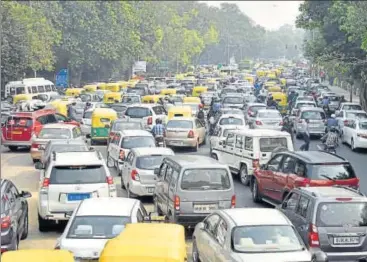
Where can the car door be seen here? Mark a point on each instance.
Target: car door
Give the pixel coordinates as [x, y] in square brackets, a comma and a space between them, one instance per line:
[159, 189]
[16, 204]
[205, 237]
[238, 152]
[289, 205]
[302, 217]
[214, 139]
[347, 133]
[199, 130]
[285, 176]
[127, 168]
[167, 197]
[228, 149]
[221, 253]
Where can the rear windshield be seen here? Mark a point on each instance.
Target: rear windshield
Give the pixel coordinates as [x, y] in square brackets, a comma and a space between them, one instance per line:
[138, 91]
[184, 124]
[256, 108]
[137, 141]
[78, 175]
[19, 122]
[339, 214]
[137, 112]
[334, 98]
[362, 115]
[67, 148]
[55, 133]
[232, 111]
[268, 144]
[233, 100]
[313, 115]
[159, 110]
[306, 98]
[118, 109]
[120, 126]
[332, 172]
[269, 114]
[352, 107]
[149, 162]
[231, 121]
[97, 227]
[299, 105]
[130, 99]
[205, 179]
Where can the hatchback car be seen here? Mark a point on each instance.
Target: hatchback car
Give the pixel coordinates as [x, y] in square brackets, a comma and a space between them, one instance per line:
[14, 215]
[248, 234]
[95, 221]
[137, 173]
[315, 116]
[124, 124]
[220, 134]
[146, 113]
[234, 101]
[330, 220]
[230, 119]
[267, 119]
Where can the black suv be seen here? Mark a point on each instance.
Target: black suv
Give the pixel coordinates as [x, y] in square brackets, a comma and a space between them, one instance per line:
[332, 221]
[14, 215]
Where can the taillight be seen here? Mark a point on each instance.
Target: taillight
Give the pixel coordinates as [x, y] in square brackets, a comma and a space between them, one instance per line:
[122, 154]
[258, 123]
[233, 201]
[45, 182]
[302, 182]
[255, 163]
[177, 203]
[5, 222]
[134, 175]
[109, 180]
[191, 134]
[346, 122]
[34, 145]
[150, 120]
[343, 199]
[313, 236]
[281, 123]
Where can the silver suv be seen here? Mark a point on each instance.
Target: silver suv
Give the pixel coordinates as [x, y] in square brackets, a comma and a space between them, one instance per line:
[67, 179]
[331, 220]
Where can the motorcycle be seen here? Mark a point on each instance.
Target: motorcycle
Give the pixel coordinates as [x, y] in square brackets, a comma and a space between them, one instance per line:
[159, 141]
[328, 149]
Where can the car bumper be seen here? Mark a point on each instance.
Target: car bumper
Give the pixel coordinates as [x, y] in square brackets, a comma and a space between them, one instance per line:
[140, 189]
[5, 142]
[189, 220]
[36, 154]
[278, 128]
[181, 142]
[360, 142]
[342, 256]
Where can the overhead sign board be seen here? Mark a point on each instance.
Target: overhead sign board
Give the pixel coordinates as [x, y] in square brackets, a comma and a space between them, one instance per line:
[139, 66]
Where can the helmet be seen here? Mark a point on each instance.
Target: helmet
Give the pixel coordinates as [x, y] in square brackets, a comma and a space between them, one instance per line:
[158, 121]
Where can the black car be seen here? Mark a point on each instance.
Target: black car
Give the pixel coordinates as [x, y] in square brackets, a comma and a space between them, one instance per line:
[14, 215]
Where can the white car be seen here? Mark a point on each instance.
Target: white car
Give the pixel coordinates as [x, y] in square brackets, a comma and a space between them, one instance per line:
[345, 116]
[137, 174]
[355, 134]
[220, 134]
[94, 222]
[231, 119]
[298, 105]
[148, 113]
[247, 234]
[86, 122]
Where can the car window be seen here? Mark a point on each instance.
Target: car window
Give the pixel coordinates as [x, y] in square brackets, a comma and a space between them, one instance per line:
[289, 165]
[138, 112]
[210, 223]
[230, 139]
[174, 179]
[162, 171]
[332, 172]
[205, 179]
[292, 200]
[268, 144]
[159, 110]
[249, 143]
[129, 142]
[85, 174]
[239, 141]
[303, 206]
[221, 232]
[60, 117]
[231, 121]
[55, 133]
[169, 172]
[274, 163]
[184, 124]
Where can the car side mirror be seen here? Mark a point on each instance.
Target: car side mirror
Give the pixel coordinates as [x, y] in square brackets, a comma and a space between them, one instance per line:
[284, 204]
[201, 226]
[39, 166]
[156, 171]
[25, 194]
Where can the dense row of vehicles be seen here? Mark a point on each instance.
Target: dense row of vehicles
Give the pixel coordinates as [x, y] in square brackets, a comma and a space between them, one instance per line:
[320, 214]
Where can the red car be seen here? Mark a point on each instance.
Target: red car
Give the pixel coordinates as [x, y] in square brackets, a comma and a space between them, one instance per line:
[287, 170]
[19, 128]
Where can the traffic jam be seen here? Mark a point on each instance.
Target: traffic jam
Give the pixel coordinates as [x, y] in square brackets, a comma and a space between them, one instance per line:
[217, 164]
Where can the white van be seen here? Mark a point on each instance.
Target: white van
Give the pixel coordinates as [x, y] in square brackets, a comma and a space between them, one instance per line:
[29, 86]
[243, 150]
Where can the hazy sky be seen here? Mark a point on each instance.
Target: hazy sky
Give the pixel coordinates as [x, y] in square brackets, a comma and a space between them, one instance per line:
[269, 14]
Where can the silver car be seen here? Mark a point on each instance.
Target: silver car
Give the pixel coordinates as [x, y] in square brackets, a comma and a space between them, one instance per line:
[233, 100]
[248, 234]
[317, 119]
[267, 119]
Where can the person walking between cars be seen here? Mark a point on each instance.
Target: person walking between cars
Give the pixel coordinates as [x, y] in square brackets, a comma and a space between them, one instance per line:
[287, 127]
[72, 111]
[306, 136]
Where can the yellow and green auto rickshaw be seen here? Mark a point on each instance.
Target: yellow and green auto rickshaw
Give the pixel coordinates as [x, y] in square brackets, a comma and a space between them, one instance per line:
[198, 90]
[179, 111]
[191, 99]
[112, 97]
[281, 99]
[101, 123]
[168, 91]
[61, 106]
[151, 99]
[114, 87]
[90, 88]
[74, 91]
[274, 88]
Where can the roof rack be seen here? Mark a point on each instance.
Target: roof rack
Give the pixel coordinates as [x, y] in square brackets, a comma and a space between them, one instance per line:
[350, 189]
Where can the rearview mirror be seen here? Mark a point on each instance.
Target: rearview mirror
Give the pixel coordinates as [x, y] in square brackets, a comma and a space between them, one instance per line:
[38, 165]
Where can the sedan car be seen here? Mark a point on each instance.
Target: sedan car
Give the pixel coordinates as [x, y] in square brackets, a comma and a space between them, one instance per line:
[14, 215]
[53, 132]
[137, 173]
[355, 134]
[248, 234]
[234, 101]
[346, 116]
[229, 119]
[267, 119]
[95, 221]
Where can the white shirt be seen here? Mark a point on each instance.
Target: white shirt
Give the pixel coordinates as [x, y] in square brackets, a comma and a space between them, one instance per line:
[305, 128]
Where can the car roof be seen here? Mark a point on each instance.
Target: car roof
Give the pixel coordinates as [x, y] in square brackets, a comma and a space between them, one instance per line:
[312, 109]
[231, 116]
[267, 110]
[316, 157]
[255, 104]
[256, 216]
[143, 105]
[78, 158]
[135, 133]
[196, 161]
[146, 151]
[57, 125]
[354, 111]
[106, 206]
[332, 192]
[67, 142]
[182, 118]
[260, 132]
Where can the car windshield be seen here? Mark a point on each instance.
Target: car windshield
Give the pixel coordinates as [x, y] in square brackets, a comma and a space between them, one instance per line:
[130, 99]
[149, 162]
[305, 98]
[313, 115]
[332, 172]
[256, 108]
[269, 114]
[265, 239]
[232, 111]
[334, 98]
[184, 124]
[120, 126]
[205, 179]
[78, 174]
[233, 100]
[97, 227]
[138, 91]
[363, 125]
[137, 141]
[55, 133]
[268, 144]
[339, 214]
[353, 115]
[137, 112]
[352, 107]
[299, 105]
[231, 121]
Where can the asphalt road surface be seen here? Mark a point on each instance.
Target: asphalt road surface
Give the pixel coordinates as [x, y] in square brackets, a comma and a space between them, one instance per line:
[18, 167]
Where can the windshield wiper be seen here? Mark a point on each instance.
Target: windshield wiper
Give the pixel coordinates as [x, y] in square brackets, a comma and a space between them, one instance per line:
[327, 177]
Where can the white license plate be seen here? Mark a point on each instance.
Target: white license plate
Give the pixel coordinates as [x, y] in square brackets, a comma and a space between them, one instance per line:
[346, 240]
[177, 143]
[150, 189]
[204, 208]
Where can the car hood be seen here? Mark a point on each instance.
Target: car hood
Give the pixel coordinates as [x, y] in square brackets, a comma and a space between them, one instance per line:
[298, 256]
[84, 248]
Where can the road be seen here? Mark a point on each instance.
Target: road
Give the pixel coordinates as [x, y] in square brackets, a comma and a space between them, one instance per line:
[18, 167]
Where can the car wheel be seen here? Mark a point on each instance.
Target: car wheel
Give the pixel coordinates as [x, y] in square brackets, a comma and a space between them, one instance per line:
[25, 228]
[129, 193]
[122, 181]
[214, 156]
[204, 141]
[15, 244]
[43, 224]
[255, 192]
[352, 146]
[196, 148]
[244, 177]
[13, 148]
[156, 207]
[195, 253]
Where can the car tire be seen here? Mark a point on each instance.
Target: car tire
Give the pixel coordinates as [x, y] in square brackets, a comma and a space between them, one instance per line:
[43, 224]
[255, 192]
[129, 193]
[243, 175]
[13, 148]
[195, 253]
[196, 148]
[26, 227]
[214, 156]
[352, 146]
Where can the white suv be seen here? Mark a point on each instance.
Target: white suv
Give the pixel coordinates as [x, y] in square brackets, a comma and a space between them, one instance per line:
[148, 113]
[68, 178]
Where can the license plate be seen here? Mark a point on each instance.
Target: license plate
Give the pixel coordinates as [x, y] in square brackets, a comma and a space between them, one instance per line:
[346, 240]
[204, 208]
[150, 189]
[177, 143]
[78, 197]
[16, 132]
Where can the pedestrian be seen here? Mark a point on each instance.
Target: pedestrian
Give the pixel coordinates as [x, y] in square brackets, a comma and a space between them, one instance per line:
[72, 111]
[306, 136]
[287, 127]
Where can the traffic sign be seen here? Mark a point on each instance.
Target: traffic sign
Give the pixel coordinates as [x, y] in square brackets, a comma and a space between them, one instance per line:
[62, 78]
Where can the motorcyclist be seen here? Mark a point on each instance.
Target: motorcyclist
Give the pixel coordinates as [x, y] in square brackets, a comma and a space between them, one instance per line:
[331, 122]
[287, 126]
[200, 115]
[272, 103]
[158, 131]
[325, 103]
[291, 95]
[330, 139]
